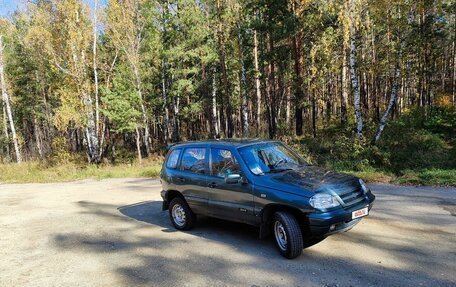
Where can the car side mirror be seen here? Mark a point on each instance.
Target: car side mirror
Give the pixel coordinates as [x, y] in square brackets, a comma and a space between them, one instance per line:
[233, 178]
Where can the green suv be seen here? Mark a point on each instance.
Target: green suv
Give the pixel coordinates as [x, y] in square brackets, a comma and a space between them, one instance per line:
[262, 183]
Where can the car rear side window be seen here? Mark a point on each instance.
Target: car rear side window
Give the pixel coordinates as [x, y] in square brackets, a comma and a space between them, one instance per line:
[173, 158]
[194, 160]
[223, 163]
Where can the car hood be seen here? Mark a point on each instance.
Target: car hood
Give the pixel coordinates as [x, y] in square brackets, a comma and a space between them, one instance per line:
[311, 179]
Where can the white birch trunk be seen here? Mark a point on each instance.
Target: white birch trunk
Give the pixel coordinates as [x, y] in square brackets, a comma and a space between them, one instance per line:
[93, 144]
[288, 107]
[353, 72]
[394, 94]
[215, 121]
[5, 129]
[396, 84]
[176, 126]
[95, 72]
[7, 104]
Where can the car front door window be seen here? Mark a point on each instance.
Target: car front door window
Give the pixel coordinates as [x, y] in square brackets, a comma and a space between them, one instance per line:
[223, 163]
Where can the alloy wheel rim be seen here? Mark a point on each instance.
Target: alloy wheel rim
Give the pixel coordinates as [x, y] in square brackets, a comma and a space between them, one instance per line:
[280, 235]
[178, 213]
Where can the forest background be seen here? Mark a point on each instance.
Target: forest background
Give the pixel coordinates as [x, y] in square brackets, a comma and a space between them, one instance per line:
[98, 89]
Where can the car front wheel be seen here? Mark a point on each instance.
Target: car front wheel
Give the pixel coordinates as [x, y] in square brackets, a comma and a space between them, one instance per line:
[287, 235]
[180, 214]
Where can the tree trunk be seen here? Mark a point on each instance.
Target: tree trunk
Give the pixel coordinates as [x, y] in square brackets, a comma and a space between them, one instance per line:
[6, 102]
[314, 114]
[37, 133]
[299, 95]
[454, 65]
[257, 81]
[176, 126]
[214, 116]
[288, 106]
[95, 72]
[5, 129]
[271, 88]
[165, 102]
[354, 75]
[226, 85]
[245, 107]
[392, 101]
[138, 145]
[91, 134]
[143, 110]
[344, 100]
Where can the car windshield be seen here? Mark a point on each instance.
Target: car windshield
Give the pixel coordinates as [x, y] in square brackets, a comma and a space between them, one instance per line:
[270, 157]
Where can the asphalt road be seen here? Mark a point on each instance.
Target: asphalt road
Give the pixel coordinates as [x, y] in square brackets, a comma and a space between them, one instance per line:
[113, 233]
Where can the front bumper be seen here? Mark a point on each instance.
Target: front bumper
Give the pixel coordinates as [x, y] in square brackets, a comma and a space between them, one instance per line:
[336, 221]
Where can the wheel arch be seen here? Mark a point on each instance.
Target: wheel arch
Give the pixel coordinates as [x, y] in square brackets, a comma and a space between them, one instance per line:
[170, 195]
[267, 214]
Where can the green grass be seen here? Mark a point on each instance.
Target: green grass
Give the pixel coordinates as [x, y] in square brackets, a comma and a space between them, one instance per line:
[435, 177]
[441, 177]
[42, 172]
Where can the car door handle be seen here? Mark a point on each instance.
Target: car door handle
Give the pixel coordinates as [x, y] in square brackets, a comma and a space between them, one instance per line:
[181, 179]
[212, 185]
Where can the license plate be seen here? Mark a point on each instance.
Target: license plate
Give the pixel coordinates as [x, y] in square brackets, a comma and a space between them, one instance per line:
[360, 212]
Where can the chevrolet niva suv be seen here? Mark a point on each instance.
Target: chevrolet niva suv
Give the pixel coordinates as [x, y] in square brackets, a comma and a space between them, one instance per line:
[262, 183]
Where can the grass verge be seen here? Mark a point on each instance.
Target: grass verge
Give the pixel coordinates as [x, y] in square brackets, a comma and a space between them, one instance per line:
[441, 177]
[431, 177]
[42, 172]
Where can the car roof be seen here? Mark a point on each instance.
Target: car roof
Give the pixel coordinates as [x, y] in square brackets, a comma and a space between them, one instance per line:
[239, 142]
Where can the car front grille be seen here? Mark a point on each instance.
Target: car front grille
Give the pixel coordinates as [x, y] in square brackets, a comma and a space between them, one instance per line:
[352, 197]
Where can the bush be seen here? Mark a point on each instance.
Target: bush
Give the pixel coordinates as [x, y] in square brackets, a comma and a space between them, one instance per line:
[414, 148]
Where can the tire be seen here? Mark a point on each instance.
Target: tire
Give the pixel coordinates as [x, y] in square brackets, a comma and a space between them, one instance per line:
[181, 215]
[287, 234]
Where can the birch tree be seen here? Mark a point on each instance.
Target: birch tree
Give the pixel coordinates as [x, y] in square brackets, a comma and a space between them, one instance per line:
[68, 45]
[7, 105]
[353, 68]
[402, 35]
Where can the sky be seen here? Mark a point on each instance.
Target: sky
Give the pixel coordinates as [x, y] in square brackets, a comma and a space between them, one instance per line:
[7, 7]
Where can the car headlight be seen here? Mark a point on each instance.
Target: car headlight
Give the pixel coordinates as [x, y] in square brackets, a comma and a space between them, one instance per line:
[363, 186]
[323, 201]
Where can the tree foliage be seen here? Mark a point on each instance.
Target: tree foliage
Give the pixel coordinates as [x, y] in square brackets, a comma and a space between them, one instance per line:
[170, 70]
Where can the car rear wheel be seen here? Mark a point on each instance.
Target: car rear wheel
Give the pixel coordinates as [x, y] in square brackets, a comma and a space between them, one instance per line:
[287, 234]
[180, 214]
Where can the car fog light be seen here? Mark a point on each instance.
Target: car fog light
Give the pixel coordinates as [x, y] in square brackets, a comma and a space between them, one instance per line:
[332, 227]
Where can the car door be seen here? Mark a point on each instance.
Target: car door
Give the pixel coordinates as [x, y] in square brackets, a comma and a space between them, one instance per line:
[191, 178]
[232, 201]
